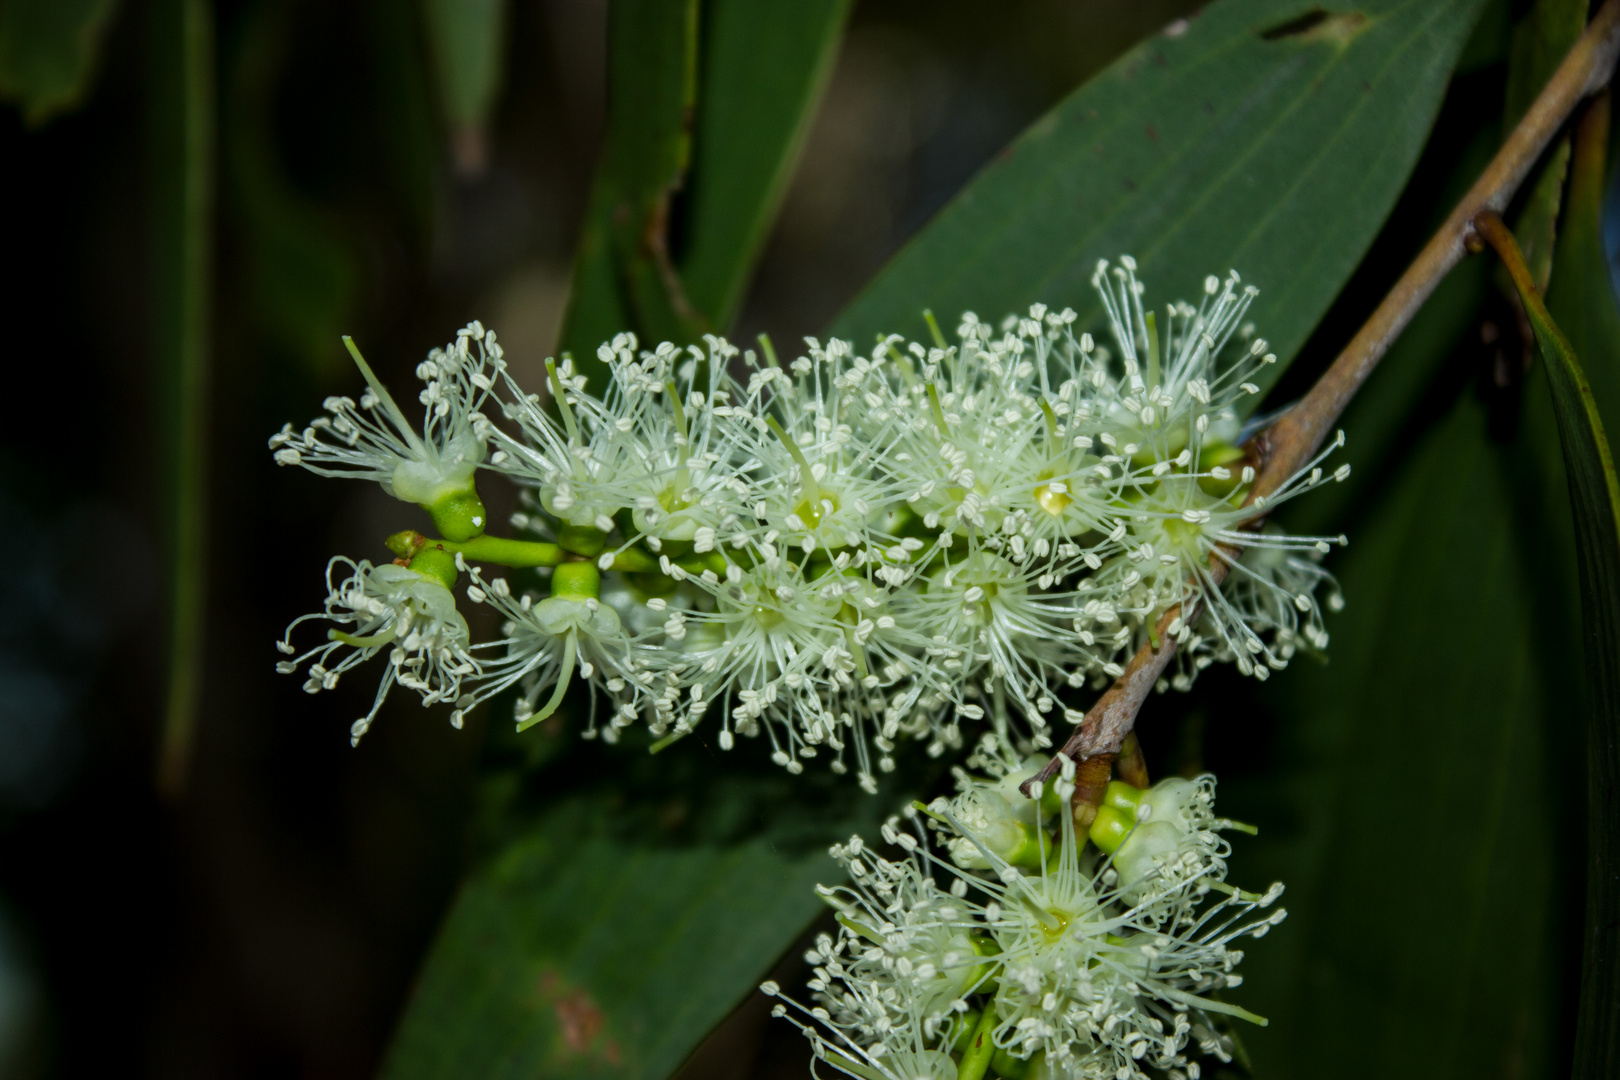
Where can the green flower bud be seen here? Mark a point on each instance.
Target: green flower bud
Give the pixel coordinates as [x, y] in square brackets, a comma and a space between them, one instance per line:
[405, 543]
[1151, 844]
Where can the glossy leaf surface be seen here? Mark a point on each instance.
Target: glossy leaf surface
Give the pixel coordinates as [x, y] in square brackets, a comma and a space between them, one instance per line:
[1252, 139]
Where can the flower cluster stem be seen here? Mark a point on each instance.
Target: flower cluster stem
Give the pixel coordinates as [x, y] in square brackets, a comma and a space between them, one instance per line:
[1281, 449]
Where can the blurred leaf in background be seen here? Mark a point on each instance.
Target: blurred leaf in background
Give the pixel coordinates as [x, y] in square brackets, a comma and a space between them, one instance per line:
[467, 43]
[708, 108]
[49, 50]
[302, 273]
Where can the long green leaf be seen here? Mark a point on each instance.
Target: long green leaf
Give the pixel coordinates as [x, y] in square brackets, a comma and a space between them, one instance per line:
[48, 52]
[1253, 140]
[1408, 802]
[624, 277]
[301, 273]
[181, 56]
[763, 68]
[607, 940]
[1540, 41]
[1585, 307]
[706, 117]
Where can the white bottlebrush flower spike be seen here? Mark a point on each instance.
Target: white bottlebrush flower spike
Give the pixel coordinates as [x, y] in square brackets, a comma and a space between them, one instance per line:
[846, 551]
[1094, 964]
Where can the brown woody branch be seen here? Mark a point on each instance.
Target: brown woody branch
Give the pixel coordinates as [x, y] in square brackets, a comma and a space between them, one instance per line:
[1284, 447]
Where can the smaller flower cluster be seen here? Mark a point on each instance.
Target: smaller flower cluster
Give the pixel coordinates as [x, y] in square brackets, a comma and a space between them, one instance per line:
[1027, 951]
[847, 550]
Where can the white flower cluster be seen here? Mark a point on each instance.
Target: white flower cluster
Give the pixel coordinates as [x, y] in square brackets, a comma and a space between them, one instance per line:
[851, 549]
[1040, 954]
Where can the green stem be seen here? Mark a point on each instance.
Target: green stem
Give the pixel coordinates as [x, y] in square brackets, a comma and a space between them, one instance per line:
[933, 328]
[980, 1048]
[497, 549]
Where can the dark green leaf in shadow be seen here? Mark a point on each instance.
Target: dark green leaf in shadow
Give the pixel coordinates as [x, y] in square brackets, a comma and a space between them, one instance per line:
[624, 278]
[1593, 328]
[300, 272]
[48, 52]
[607, 938]
[1540, 41]
[1409, 807]
[467, 43]
[706, 118]
[1252, 139]
[407, 126]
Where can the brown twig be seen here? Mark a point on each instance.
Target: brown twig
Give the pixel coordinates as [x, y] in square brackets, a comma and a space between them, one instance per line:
[1291, 441]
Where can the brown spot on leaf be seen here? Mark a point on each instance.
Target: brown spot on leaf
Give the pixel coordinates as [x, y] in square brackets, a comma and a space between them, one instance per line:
[1152, 133]
[580, 1021]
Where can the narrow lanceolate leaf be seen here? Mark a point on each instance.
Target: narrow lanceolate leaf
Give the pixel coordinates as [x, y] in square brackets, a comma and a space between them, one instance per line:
[624, 277]
[48, 52]
[1585, 307]
[706, 118]
[762, 69]
[1540, 41]
[605, 945]
[181, 74]
[1264, 136]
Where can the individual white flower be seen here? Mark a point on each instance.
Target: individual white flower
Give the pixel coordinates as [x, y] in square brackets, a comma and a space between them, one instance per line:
[547, 641]
[408, 613]
[433, 468]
